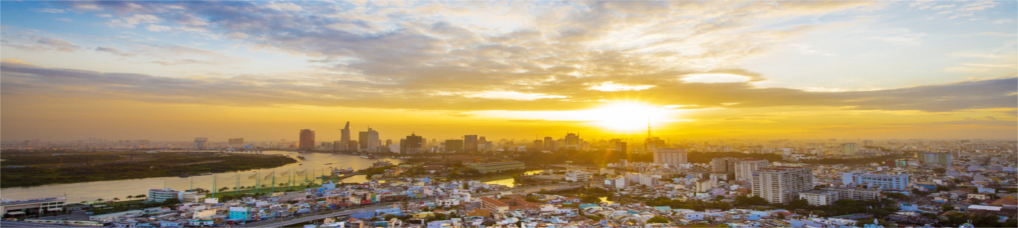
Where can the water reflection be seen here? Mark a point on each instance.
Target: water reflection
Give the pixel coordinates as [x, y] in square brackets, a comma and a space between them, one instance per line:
[297, 173]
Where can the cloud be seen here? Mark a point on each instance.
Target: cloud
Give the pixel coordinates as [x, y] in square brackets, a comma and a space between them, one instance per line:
[286, 6]
[20, 79]
[49, 10]
[158, 28]
[172, 55]
[29, 41]
[130, 22]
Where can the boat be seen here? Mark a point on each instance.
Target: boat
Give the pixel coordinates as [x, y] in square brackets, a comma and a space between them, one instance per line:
[328, 163]
[301, 164]
[365, 157]
[183, 176]
[301, 157]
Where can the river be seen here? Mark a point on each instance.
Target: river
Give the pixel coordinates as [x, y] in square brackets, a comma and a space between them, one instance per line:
[315, 164]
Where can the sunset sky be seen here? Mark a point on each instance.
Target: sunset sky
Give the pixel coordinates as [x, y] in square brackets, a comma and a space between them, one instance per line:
[172, 71]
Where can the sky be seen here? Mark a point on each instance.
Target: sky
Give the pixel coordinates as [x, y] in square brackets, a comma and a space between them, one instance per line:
[263, 70]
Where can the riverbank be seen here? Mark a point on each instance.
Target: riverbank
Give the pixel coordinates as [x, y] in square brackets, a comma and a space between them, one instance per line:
[161, 165]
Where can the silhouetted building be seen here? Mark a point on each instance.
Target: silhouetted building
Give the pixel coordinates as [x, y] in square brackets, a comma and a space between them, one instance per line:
[572, 141]
[236, 141]
[549, 144]
[470, 143]
[413, 144]
[369, 140]
[307, 139]
[201, 143]
[453, 145]
[345, 137]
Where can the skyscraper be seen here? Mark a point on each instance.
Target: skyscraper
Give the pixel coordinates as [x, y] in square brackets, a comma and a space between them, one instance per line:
[549, 144]
[368, 140]
[470, 143]
[671, 156]
[201, 143]
[345, 137]
[781, 184]
[236, 141]
[307, 139]
[413, 144]
[849, 149]
[453, 145]
[572, 141]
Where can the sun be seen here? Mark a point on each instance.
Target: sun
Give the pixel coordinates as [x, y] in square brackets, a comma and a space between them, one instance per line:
[625, 116]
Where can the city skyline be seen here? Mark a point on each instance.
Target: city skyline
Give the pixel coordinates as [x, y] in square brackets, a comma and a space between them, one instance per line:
[172, 71]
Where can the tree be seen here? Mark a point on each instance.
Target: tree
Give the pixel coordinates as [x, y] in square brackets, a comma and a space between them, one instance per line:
[171, 202]
[781, 215]
[658, 219]
[129, 197]
[947, 207]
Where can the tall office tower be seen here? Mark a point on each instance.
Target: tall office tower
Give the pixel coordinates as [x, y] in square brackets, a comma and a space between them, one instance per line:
[453, 145]
[469, 143]
[723, 165]
[236, 141]
[744, 168]
[345, 136]
[572, 142]
[549, 144]
[781, 184]
[882, 181]
[413, 144]
[671, 156]
[388, 142]
[201, 143]
[369, 140]
[849, 149]
[307, 139]
[621, 147]
[538, 144]
[481, 144]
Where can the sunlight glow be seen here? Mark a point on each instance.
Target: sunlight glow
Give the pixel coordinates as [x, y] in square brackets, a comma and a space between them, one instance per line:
[625, 116]
[611, 86]
[513, 95]
[714, 78]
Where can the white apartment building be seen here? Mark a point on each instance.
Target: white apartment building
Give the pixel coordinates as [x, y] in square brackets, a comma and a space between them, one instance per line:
[818, 197]
[781, 184]
[744, 168]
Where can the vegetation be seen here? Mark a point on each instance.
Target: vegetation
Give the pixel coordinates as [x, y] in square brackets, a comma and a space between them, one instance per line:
[12, 158]
[658, 219]
[163, 165]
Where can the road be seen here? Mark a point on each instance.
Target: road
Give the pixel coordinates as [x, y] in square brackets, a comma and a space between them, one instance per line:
[278, 223]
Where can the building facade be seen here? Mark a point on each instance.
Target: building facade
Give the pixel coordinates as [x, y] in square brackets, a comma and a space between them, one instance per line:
[882, 181]
[671, 156]
[818, 197]
[849, 149]
[369, 140]
[722, 165]
[470, 143]
[307, 139]
[744, 168]
[781, 184]
[201, 143]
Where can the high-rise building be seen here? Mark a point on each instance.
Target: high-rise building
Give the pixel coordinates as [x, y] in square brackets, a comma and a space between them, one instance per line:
[572, 141]
[388, 142]
[470, 143]
[369, 140]
[236, 141]
[849, 149]
[538, 144]
[307, 139]
[482, 144]
[413, 144]
[781, 184]
[201, 143]
[882, 181]
[723, 165]
[453, 145]
[671, 156]
[338, 145]
[549, 144]
[345, 137]
[744, 168]
[934, 158]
